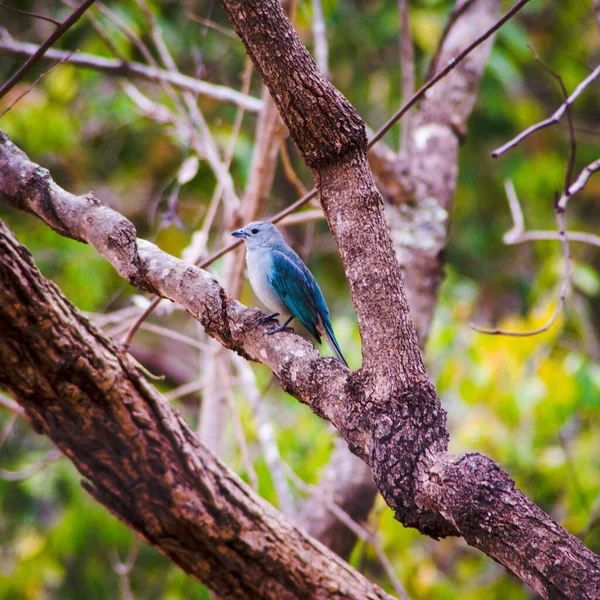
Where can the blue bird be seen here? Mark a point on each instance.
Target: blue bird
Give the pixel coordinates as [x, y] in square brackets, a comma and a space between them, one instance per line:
[284, 284]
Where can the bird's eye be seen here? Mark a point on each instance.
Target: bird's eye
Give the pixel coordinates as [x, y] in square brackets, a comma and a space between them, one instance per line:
[255, 231]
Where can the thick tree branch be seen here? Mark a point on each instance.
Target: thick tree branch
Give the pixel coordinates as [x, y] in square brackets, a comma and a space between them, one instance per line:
[387, 412]
[140, 458]
[419, 189]
[384, 426]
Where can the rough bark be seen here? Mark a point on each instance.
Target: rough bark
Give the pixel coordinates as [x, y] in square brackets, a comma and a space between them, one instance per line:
[394, 429]
[418, 188]
[140, 458]
[387, 411]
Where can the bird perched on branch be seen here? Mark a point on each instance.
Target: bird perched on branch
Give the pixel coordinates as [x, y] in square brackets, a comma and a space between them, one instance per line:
[284, 284]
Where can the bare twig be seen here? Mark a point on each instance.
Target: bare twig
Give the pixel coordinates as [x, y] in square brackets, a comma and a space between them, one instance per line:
[288, 168]
[579, 183]
[572, 140]
[183, 390]
[53, 37]
[29, 88]
[174, 335]
[361, 531]
[239, 432]
[8, 428]
[593, 519]
[555, 118]
[266, 436]
[100, 30]
[307, 216]
[50, 457]
[216, 198]
[31, 14]
[123, 569]
[208, 23]
[518, 235]
[457, 11]
[136, 70]
[451, 65]
[11, 405]
[565, 287]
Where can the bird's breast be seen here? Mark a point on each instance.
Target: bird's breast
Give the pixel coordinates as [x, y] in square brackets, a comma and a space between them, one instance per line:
[259, 269]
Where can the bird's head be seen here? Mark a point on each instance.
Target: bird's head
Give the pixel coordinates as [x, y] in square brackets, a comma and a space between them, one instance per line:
[259, 234]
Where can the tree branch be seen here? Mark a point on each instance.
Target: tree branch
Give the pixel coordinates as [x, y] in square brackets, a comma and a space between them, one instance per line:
[140, 458]
[39, 53]
[387, 412]
[119, 68]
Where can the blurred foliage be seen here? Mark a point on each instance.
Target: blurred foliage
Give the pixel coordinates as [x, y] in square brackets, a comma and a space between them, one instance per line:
[533, 404]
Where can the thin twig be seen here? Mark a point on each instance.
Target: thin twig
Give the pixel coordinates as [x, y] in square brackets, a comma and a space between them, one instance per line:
[565, 287]
[53, 37]
[208, 23]
[555, 118]
[579, 183]
[288, 168]
[451, 65]
[8, 428]
[218, 193]
[360, 531]
[174, 335]
[266, 436]
[239, 432]
[100, 30]
[518, 235]
[571, 125]
[116, 67]
[183, 390]
[31, 470]
[11, 405]
[196, 116]
[31, 14]
[307, 216]
[123, 569]
[457, 11]
[593, 520]
[29, 88]
[126, 341]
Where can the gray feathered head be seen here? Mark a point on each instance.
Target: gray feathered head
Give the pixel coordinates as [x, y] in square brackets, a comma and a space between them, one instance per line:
[259, 234]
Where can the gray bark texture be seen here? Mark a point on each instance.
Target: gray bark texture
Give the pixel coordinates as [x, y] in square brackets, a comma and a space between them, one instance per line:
[387, 411]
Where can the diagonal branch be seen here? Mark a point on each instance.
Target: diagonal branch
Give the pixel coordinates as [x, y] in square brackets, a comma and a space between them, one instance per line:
[386, 426]
[554, 118]
[39, 53]
[119, 68]
[139, 457]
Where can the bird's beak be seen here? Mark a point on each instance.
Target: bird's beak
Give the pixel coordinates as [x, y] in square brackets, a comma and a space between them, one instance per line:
[239, 233]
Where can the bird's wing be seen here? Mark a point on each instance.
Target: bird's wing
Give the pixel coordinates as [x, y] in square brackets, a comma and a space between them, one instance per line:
[294, 284]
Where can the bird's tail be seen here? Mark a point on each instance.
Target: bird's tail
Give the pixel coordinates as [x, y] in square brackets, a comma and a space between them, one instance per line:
[333, 344]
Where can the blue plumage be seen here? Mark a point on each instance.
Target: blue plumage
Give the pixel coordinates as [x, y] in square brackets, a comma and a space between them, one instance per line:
[283, 282]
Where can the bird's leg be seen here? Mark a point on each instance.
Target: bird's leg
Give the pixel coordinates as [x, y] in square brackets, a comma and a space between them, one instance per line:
[267, 318]
[283, 327]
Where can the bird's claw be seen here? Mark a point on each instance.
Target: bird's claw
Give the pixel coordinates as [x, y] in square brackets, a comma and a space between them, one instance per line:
[280, 328]
[267, 318]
